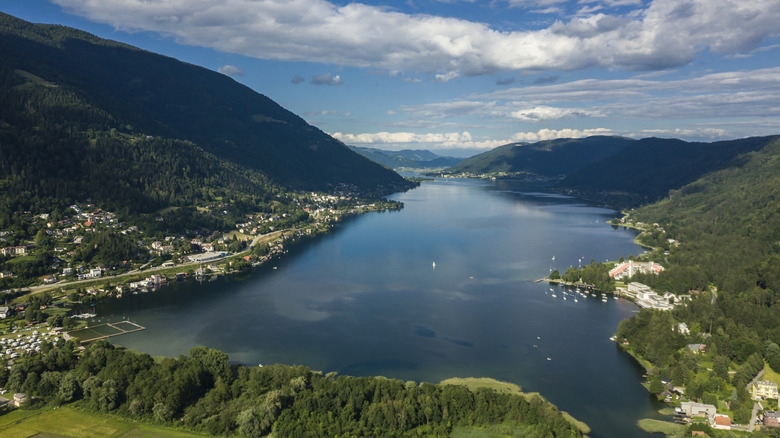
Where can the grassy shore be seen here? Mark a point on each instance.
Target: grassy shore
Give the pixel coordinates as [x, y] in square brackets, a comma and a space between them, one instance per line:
[665, 427]
[72, 422]
[474, 383]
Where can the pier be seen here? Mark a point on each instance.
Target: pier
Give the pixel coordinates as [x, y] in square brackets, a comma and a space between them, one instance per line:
[105, 330]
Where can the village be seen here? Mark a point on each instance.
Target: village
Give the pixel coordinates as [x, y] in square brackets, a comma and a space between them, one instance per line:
[54, 252]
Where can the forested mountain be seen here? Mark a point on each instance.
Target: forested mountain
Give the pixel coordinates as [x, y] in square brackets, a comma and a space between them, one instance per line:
[726, 243]
[408, 158]
[73, 88]
[647, 169]
[549, 158]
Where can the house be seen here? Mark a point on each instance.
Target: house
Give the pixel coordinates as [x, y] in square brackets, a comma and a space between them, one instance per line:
[19, 399]
[696, 348]
[763, 389]
[6, 274]
[49, 279]
[771, 421]
[693, 409]
[722, 422]
[683, 328]
[5, 312]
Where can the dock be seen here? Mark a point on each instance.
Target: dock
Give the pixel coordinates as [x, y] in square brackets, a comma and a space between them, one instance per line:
[104, 331]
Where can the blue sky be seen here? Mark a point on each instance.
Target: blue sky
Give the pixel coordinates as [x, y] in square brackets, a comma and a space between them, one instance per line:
[449, 75]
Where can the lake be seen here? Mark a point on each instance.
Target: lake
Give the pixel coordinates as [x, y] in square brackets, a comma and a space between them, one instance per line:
[367, 300]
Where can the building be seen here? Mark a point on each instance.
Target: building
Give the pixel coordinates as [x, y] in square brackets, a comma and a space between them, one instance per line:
[630, 268]
[693, 409]
[683, 328]
[722, 422]
[19, 399]
[648, 298]
[763, 389]
[697, 348]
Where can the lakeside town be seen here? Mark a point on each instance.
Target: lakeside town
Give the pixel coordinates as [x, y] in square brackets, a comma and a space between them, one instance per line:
[687, 406]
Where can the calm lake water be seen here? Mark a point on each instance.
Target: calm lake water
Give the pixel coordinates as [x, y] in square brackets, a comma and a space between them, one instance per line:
[367, 300]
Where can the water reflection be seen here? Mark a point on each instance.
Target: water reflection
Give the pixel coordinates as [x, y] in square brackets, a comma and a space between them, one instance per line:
[366, 300]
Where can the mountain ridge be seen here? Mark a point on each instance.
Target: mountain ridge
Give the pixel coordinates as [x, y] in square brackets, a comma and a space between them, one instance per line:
[161, 96]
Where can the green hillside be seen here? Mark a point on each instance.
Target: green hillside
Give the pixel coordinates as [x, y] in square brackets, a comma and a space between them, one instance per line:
[728, 223]
[549, 158]
[647, 169]
[137, 92]
[727, 231]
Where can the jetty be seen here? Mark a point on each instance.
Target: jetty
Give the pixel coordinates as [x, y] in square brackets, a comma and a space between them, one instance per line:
[104, 331]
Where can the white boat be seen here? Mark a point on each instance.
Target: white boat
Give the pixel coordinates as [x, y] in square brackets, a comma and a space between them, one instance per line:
[554, 296]
[604, 299]
[434, 265]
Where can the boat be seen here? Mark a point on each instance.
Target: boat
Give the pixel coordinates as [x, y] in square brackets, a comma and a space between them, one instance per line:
[554, 296]
[575, 300]
[604, 299]
[434, 265]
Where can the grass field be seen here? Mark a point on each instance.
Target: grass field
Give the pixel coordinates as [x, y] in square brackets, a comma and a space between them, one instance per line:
[770, 374]
[664, 427]
[73, 423]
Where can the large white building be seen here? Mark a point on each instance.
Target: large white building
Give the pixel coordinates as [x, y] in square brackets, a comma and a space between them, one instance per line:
[630, 268]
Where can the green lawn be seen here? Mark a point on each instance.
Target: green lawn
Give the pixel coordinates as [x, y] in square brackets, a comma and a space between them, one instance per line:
[658, 426]
[770, 374]
[70, 422]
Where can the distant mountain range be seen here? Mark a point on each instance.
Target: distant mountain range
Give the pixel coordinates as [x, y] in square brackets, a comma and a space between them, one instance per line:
[407, 159]
[87, 117]
[614, 170]
[646, 170]
[549, 158]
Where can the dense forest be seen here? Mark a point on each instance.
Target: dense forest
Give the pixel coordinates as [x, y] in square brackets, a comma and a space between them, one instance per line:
[203, 392]
[728, 228]
[149, 94]
[85, 119]
[548, 158]
[647, 169]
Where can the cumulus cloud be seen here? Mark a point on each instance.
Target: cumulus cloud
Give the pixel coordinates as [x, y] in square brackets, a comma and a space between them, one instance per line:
[463, 140]
[541, 113]
[403, 137]
[552, 134]
[327, 79]
[231, 70]
[666, 33]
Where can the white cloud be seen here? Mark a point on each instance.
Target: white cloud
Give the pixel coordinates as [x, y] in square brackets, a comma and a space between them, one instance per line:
[403, 137]
[542, 113]
[552, 134]
[327, 79]
[231, 70]
[667, 33]
[462, 140]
